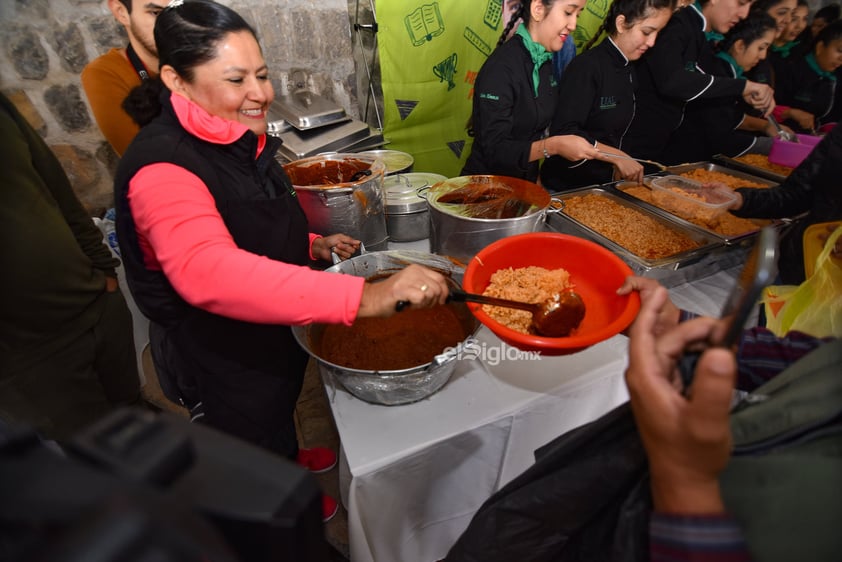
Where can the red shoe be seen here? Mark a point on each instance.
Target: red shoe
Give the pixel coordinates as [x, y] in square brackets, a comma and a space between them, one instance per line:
[317, 459]
[330, 507]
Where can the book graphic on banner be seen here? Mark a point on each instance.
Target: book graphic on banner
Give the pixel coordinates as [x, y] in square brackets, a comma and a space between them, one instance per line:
[424, 23]
[493, 13]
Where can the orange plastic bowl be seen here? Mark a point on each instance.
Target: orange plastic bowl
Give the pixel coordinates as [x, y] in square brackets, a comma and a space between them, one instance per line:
[595, 271]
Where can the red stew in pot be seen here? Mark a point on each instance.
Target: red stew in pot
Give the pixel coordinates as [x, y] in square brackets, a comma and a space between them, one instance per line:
[404, 340]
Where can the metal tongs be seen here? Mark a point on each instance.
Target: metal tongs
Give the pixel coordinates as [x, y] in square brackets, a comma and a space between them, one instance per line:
[784, 135]
[612, 155]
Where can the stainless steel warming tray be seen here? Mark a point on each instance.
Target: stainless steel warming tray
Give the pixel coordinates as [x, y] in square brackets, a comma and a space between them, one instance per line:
[713, 167]
[711, 255]
[305, 110]
[301, 144]
[749, 169]
[729, 239]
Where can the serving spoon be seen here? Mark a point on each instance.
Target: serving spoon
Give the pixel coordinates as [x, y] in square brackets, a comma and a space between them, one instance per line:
[556, 317]
[620, 156]
[782, 133]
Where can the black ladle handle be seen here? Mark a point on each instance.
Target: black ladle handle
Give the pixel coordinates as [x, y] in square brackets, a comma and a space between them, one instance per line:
[457, 295]
[361, 174]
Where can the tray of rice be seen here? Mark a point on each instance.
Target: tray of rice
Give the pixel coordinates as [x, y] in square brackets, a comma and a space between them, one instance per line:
[731, 229]
[755, 164]
[652, 242]
[706, 172]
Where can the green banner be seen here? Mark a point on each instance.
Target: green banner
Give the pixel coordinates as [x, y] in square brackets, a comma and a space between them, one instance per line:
[430, 53]
[589, 22]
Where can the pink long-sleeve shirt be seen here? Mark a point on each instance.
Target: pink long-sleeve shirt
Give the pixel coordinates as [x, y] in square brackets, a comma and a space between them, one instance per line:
[181, 233]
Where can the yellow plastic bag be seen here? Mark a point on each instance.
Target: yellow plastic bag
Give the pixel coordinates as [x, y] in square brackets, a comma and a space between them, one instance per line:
[813, 307]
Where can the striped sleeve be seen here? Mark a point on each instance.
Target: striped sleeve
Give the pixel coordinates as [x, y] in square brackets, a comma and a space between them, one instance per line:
[696, 538]
[763, 355]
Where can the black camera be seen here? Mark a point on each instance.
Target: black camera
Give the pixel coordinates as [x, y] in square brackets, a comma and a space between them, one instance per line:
[143, 486]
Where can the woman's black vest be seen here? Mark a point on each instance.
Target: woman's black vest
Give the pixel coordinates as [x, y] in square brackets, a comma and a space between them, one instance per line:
[254, 197]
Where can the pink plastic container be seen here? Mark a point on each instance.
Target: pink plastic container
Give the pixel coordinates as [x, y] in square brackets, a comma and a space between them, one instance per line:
[791, 154]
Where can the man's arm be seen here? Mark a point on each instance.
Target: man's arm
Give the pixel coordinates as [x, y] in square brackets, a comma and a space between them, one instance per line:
[106, 85]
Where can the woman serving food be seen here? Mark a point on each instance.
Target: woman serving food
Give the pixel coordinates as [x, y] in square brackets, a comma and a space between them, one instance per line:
[597, 99]
[216, 245]
[515, 95]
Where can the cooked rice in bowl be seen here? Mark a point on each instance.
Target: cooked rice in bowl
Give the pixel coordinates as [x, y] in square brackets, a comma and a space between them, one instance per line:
[526, 284]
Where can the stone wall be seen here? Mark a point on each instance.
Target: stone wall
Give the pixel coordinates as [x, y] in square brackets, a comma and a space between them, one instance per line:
[48, 42]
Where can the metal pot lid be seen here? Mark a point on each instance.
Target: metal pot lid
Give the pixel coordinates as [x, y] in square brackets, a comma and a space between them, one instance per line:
[395, 160]
[488, 197]
[401, 191]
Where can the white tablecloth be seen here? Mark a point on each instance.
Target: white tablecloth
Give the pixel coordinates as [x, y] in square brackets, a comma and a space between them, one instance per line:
[412, 476]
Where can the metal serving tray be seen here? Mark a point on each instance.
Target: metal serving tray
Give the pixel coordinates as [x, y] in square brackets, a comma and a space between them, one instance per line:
[713, 167]
[731, 240]
[305, 110]
[301, 144]
[711, 256]
[749, 169]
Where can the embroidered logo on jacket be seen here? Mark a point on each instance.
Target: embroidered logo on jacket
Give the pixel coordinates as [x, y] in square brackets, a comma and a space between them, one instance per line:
[607, 102]
[485, 96]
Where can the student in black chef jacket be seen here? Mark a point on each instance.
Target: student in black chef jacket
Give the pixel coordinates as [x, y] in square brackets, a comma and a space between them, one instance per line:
[670, 77]
[723, 125]
[789, 45]
[515, 95]
[596, 95]
[810, 85]
[781, 12]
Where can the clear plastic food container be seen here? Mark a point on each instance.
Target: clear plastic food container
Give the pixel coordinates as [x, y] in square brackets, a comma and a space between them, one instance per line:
[690, 199]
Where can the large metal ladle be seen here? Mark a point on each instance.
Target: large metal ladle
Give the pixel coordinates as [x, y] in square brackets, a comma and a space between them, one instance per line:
[782, 133]
[556, 317]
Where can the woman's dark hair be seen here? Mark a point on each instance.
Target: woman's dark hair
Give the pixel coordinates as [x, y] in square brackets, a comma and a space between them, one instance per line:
[762, 6]
[830, 33]
[521, 13]
[829, 13]
[748, 30]
[632, 10]
[186, 36]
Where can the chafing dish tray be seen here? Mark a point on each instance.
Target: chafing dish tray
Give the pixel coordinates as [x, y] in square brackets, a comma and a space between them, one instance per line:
[301, 144]
[708, 257]
[713, 167]
[749, 169]
[728, 228]
[305, 110]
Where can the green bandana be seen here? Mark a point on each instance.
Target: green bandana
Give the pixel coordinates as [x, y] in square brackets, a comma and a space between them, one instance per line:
[738, 70]
[784, 50]
[538, 53]
[814, 65]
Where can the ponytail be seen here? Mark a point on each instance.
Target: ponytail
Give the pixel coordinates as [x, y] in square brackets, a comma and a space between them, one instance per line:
[143, 103]
[600, 30]
[516, 15]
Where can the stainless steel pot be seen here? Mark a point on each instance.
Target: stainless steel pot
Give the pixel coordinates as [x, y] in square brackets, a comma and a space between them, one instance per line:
[342, 193]
[407, 217]
[453, 233]
[400, 386]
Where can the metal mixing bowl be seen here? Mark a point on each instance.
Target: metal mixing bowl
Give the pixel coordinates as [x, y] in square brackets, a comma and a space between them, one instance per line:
[400, 386]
